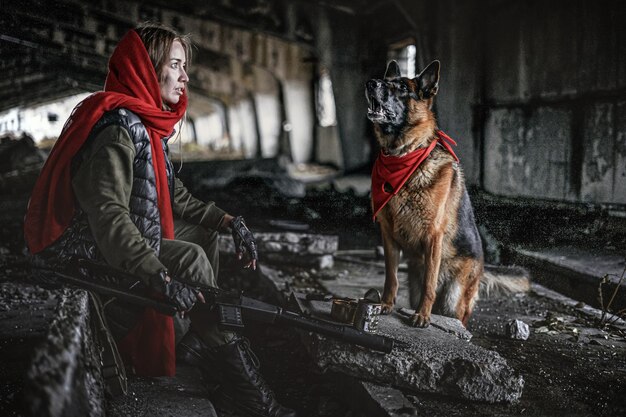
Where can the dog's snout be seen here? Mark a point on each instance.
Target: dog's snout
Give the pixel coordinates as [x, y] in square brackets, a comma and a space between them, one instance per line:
[374, 84]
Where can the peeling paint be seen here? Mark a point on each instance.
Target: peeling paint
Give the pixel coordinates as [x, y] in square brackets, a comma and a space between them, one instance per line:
[598, 163]
[527, 152]
[619, 182]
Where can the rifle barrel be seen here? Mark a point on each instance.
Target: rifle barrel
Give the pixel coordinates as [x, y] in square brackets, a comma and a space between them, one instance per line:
[339, 331]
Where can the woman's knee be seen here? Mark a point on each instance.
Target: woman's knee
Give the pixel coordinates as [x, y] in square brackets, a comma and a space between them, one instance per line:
[192, 266]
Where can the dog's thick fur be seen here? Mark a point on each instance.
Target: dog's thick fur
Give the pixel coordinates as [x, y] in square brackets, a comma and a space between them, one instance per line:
[430, 220]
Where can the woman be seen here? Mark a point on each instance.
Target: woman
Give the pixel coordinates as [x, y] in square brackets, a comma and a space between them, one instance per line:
[108, 192]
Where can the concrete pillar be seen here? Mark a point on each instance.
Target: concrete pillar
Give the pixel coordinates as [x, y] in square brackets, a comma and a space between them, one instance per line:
[300, 118]
[268, 114]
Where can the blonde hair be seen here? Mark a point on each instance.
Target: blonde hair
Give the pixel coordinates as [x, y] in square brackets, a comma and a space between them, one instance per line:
[158, 40]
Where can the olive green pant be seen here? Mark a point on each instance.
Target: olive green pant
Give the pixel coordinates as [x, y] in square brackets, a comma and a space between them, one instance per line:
[192, 257]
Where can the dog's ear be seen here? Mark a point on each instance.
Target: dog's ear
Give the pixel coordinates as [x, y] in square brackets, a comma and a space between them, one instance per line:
[428, 80]
[393, 71]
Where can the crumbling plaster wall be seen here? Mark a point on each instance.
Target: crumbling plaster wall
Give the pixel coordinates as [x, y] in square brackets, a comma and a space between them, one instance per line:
[536, 94]
[242, 82]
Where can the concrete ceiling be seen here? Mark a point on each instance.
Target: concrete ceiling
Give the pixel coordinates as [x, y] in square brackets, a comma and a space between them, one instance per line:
[53, 49]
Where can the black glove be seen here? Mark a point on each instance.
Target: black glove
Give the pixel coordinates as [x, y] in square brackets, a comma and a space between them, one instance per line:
[244, 239]
[183, 296]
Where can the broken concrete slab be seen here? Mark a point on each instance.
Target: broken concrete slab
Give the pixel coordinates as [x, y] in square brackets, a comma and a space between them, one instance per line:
[424, 360]
[579, 306]
[597, 263]
[64, 377]
[280, 281]
[25, 315]
[438, 359]
[443, 323]
[576, 272]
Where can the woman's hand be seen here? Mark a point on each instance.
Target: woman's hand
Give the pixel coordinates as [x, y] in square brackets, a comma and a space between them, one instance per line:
[245, 244]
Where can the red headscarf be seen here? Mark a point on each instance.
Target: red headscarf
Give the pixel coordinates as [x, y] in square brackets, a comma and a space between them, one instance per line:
[396, 170]
[131, 83]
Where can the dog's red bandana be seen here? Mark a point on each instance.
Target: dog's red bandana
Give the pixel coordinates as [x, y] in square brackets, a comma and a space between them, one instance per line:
[391, 172]
[131, 83]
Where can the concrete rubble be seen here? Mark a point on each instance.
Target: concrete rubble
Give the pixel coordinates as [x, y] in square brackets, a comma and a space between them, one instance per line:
[438, 359]
[424, 360]
[443, 359]
[517, 329]
[51, 363]
[65, 377]
[306, 249]
[20, 162]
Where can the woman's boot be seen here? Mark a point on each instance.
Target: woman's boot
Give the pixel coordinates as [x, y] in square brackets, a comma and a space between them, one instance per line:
[232, 373]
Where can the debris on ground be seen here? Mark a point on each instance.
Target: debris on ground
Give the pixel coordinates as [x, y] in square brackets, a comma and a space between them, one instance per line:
[517, 329]
[570, 365]
[20, 162]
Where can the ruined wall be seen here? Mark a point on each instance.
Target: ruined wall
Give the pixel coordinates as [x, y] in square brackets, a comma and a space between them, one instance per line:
[554, 95]
[535, 93]
[454, 41]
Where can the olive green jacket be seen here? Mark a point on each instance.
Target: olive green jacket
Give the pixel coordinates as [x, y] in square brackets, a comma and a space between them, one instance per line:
[102, 185]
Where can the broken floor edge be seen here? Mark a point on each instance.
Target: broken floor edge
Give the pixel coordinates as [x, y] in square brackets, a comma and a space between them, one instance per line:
[456, 385]
[65, 375]
[585, 309]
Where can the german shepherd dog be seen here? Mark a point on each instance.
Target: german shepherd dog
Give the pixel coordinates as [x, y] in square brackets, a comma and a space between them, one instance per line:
[430, 219]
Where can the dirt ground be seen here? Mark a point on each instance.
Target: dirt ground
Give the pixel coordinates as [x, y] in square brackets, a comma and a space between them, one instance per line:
[570, 366]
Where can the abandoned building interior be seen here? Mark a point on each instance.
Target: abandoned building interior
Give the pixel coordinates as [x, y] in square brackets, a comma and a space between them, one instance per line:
[276, 130]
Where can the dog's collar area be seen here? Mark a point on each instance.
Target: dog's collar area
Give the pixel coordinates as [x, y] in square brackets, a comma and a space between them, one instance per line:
[400, 151]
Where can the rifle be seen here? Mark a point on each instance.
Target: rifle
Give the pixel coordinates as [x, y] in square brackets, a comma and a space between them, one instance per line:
[233, 309]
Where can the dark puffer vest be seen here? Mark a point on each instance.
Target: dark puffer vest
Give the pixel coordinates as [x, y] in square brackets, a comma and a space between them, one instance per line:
[144, 211]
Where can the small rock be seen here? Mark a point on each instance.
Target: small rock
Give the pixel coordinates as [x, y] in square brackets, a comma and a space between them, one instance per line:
[517, 329]
[326, 261]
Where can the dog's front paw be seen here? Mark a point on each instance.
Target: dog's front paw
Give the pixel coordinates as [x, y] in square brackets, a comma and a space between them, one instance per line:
[386, 308]
[420, 320]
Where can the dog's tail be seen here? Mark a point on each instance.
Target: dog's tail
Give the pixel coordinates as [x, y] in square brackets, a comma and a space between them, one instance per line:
[503, 280]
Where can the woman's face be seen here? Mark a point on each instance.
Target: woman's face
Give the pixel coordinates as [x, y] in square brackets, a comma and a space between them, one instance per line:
[174, 77]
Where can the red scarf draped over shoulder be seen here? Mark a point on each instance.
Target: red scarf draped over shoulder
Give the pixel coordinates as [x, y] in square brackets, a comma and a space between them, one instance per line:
[396, 170]
[132, 84]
